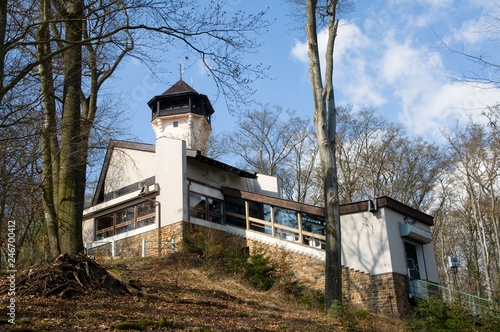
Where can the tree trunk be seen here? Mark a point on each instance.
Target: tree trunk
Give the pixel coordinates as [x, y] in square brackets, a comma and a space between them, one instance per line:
[50, 148]
[325, 123]
[3, 31]
[72, 168]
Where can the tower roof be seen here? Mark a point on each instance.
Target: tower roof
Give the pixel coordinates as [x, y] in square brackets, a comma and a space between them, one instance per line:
[181, 98]
[179, 88]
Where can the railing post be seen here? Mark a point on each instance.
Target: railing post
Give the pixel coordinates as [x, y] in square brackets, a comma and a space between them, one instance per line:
[174, 248]
[113, 248]
[143, 248]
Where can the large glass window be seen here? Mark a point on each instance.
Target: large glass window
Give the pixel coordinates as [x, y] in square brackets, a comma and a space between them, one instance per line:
[313, 224]
[286, 217]
[124, 220]
[207, 208]
[235, 211]
[105, 222]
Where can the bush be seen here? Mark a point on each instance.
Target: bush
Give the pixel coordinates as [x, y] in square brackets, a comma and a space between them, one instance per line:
[349, 314]
[434, 314]
[259, 270]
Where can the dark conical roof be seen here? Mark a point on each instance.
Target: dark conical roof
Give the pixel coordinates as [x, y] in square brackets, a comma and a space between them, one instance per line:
[179, 88]
[178, 99]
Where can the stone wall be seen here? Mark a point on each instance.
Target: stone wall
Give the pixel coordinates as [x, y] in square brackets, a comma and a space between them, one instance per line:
[385, 293]
[132, 246]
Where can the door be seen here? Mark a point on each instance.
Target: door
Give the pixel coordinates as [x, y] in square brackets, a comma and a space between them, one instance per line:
[412, 260]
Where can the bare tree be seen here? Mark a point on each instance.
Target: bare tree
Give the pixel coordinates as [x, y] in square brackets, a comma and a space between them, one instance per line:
[325, 122]
[301, 170]
[70, 48]
[263, 139]
[20, 190]
[274, 141]
[377, 158]
[471, 194]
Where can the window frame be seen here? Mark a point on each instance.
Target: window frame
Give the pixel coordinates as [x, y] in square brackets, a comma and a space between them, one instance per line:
[117, 227]
[205, 213]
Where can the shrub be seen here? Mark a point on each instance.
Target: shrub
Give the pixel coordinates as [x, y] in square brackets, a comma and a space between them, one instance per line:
[350, 315]
[434, 314]
[259, 270]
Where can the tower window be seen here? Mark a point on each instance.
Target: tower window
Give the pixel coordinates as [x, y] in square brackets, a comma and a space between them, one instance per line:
[176, 123]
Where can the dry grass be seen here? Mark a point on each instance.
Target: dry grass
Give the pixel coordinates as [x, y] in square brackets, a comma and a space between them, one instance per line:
[178, 293]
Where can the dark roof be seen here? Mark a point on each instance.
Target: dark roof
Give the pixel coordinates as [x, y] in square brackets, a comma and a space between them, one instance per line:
[179, 88]
[181, 91]
[391, 203]
[228, 168]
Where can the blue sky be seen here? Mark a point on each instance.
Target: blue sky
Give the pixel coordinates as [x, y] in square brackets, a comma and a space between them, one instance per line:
[388, 54]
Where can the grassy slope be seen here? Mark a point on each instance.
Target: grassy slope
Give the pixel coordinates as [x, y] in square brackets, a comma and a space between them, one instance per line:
[178, 293]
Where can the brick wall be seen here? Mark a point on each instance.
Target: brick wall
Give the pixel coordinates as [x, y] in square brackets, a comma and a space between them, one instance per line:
[385, 293]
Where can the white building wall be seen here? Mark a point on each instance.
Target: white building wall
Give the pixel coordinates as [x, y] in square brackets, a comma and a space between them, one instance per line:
[365, 244]
[171, 174]
[164, 127]
[397, 250]
[266, 185]
[430, 262]
[128, 166]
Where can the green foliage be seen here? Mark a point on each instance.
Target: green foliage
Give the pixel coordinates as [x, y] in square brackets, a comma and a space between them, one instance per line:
[306, 297]
[259, 270]
[234, 259]
[130, 326]
[336, 310]
[436, 315]
[204, 246]
[349, 314]
[90, 314]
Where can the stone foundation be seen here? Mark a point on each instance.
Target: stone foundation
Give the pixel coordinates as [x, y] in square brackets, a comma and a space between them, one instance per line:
[386, 294]
[157, 243]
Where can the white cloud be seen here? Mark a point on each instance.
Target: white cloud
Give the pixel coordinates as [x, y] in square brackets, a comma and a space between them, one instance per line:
[429, 99]
[470, 32]
[406, 79]
[351, 73]
[441, 108]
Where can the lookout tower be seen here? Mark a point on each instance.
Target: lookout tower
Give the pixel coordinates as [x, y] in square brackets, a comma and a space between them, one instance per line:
[182, 113]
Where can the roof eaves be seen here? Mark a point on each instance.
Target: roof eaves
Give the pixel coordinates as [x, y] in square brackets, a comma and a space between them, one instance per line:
[226, 167]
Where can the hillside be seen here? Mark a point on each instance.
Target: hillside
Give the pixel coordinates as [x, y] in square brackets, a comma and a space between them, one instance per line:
[181, 293]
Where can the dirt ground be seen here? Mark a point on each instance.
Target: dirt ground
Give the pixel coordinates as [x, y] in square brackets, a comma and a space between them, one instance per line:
[176, 293]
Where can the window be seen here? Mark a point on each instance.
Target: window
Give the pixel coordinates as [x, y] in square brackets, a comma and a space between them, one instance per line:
[206, 208]
[176, 124]
[124, 220]
[235, 211]
[286, 217]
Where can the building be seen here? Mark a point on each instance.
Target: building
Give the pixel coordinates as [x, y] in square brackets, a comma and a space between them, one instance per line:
[150, 197]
